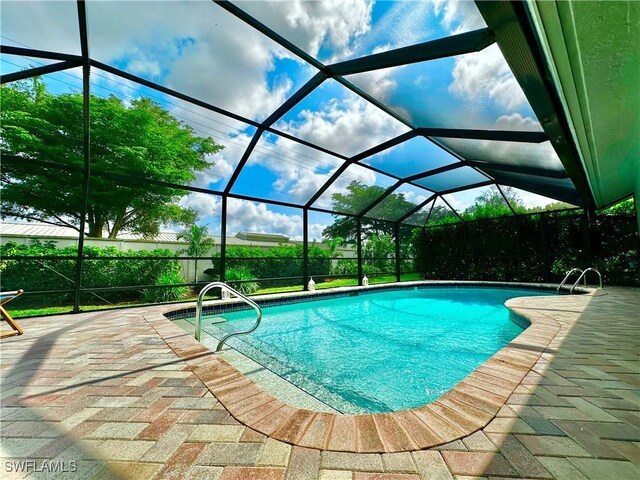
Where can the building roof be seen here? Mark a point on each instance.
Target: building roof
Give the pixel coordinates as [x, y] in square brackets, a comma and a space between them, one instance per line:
[40, 230]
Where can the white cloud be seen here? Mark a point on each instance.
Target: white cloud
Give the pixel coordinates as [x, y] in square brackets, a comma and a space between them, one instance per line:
[457, 201]
[380, 84]
[50, 26]
[312, 25]
[478, 76]
[413, 197]
[204, 204]
[458, 15]
[315, 231]
[404, 23]
[301, 170]
[517, 122]
[194, 47]
[144, 68]
[245, 216]
[347, 126]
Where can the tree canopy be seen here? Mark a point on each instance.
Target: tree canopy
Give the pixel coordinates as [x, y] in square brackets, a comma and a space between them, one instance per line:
[354, 200]
[140, 139]
[491, 203]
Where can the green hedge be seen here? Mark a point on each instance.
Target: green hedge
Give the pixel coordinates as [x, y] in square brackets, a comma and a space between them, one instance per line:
[533, 248]
[276, 262]
[127, 268]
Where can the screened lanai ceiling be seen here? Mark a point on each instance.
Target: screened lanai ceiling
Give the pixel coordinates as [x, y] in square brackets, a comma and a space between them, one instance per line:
[437, 101]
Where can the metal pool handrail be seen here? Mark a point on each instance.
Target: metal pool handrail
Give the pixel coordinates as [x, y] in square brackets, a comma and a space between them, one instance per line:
[569, 273]
[223, 286]
[584, 274]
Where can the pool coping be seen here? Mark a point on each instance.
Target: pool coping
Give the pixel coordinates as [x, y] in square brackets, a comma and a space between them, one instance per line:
[467, 407]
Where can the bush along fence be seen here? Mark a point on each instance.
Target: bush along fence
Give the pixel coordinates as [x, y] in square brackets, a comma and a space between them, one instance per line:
[527, 248]
[49, 272]
[111, 276]
[531, 248]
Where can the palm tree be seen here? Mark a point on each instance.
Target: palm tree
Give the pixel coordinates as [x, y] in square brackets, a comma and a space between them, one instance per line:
[198, 243]
[333, 244]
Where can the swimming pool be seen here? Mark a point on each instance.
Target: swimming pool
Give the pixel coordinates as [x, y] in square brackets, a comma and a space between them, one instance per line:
[378, 351]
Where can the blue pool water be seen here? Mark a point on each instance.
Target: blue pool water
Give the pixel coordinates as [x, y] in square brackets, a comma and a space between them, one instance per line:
[379, 352]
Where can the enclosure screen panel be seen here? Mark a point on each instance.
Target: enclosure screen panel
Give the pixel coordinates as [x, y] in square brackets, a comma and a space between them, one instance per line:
[283, 170]
[442, 213]
[475, 91]
[459, 177]
[354, 190]
[198, 49]
[560, 189]
[332, 32]
[412, 157]
[479, 202]
[419, 218]
[404, 199]
[337, 119]
[41, 25]
[539, 155]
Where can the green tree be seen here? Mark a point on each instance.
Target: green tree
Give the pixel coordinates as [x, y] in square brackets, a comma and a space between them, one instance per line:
[358, 197]
[141, 140]
[198, 243]
[378, 251]
[491, 203]
[332, 245]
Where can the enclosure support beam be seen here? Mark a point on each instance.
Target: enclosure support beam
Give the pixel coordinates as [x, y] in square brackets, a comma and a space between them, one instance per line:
[223, 240]
[381, 198]
[504, 197]
[396, 235]
[359, 248]
[30, 52]
[462, 43]
[305, 248]
[43, 70]
[521, 47]
[495, 135]
[416, 209]
[522, 169]
[545, 248]
[86, 145]
[243, 160]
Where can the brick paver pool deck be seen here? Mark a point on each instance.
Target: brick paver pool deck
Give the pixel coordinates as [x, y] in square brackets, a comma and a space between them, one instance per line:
[126, 394]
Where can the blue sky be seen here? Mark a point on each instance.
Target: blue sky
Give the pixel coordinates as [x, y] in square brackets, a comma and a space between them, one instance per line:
[199, 49]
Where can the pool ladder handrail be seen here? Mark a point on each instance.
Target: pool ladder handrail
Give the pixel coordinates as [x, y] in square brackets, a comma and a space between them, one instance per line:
[569, 273]
[222, 287]
[584, 275]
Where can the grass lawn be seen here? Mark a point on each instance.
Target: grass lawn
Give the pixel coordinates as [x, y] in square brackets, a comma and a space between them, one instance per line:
[341, 282]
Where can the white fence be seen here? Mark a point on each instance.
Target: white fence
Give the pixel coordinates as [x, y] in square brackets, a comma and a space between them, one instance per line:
[188, 266]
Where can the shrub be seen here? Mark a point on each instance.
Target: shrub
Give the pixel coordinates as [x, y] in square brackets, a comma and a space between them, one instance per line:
[274, 262]
[102, 267]
[170, 293]
[239, 277]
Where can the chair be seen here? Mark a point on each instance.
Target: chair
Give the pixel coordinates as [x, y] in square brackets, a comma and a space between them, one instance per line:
[6, 297]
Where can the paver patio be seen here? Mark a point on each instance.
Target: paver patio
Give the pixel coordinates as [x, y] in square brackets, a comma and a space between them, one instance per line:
[105, 395]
